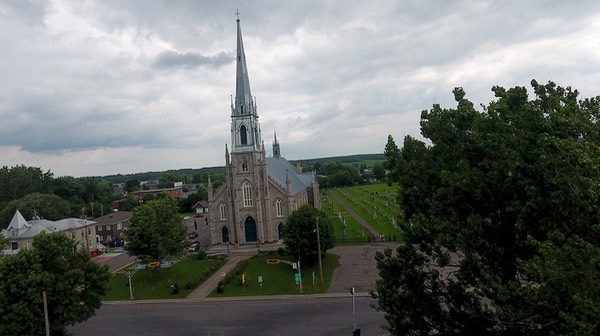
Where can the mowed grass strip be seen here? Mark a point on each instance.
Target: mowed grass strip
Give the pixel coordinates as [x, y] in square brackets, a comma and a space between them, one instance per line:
[188, 274]
[278, 279]
[355, 232]
[381, 225]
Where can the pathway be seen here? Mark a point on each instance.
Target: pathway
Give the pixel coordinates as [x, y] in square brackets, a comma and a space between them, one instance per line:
[352, 213]
[211, 283]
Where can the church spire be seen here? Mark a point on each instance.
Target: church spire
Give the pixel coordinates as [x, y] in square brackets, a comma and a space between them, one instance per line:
[245, 129]
[276, 150]
[243, 97]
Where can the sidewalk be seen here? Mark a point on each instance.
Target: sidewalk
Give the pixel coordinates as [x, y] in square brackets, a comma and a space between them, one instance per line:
[211, 283]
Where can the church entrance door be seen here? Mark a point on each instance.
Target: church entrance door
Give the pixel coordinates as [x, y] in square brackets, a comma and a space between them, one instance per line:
[225, 234]
[250, 229]
[280, 232]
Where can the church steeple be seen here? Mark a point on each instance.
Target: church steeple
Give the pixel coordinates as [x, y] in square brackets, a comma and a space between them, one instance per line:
[245, 130]
[276, 151]
[243, 96]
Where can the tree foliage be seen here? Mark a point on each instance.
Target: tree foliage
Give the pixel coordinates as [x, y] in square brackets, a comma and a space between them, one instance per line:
[132, 185]
[46, 206]
[73, 283]
[19, 181]
[502, 219]
[156, 231]
[300, 237]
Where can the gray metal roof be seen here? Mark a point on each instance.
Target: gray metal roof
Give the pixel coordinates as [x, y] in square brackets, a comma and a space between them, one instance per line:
[278, 168]
[20, 229]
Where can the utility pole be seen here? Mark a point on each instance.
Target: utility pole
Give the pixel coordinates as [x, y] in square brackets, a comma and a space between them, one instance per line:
[319, 251]
[46, 320]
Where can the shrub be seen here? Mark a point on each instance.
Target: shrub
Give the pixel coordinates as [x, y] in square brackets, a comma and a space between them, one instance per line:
[201, 254]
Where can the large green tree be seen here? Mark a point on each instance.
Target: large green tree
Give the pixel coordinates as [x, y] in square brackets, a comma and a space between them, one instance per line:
[19, 181]
[73, 284]
[300, 237]
[502, 219]
[156, 231]
[46, 206]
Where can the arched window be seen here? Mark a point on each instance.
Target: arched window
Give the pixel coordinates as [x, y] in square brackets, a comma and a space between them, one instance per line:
[244, 164]
[223, 211]
[243, 135]
[279, 208]
[247, 194]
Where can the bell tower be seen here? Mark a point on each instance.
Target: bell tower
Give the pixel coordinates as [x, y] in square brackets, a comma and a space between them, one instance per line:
[245, 129]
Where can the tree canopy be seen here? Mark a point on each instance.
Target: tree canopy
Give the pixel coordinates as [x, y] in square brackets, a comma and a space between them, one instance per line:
[156, 231]
[73, 284]
[300, 237]
[47, 206]
[502, 219]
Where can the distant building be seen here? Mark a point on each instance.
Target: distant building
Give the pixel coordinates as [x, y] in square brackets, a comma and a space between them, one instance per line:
[110, 228]
[259, 193]
[201, 207]
[20, 232]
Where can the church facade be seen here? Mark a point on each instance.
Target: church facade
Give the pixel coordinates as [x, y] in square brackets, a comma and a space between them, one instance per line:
[259, 192]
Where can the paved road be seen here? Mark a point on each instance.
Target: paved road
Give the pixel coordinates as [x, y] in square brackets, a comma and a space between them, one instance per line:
[306, 315]
[357, 267]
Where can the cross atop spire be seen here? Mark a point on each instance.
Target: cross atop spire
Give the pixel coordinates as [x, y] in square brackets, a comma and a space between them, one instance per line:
[237, 13]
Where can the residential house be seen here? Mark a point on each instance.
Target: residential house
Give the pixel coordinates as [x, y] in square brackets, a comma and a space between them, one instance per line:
[110, 228]
[20, 232]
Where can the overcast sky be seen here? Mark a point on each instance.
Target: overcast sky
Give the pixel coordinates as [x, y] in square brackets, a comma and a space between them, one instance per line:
[106, 87]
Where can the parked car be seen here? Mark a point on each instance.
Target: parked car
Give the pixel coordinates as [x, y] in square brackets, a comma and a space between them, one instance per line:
[193, 235]
[194, 247]
[192, 242]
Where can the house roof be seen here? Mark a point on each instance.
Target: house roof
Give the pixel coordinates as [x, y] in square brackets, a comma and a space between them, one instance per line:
[19, 228]
[114, 217]
[200, 204]
[278, 168]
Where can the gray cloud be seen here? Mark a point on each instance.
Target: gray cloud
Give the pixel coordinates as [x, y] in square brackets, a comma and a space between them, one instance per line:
[101, 87]
[173, 60]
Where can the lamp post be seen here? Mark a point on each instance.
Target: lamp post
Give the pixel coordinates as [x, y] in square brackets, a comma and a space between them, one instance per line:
[129, 274]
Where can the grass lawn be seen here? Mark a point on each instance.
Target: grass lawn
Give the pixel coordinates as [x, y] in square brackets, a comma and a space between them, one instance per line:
[277, 278]
[355, 233]
[187, 274]
[362, 201]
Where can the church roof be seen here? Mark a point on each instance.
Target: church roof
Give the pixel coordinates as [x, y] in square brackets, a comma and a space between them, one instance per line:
[278, 168]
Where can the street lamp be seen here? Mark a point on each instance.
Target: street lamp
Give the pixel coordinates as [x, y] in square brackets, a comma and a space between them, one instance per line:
[129, 274]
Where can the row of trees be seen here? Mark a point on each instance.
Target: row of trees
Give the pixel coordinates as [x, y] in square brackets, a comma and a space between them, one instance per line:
[39, 194]
[335, 174]
[501, 231]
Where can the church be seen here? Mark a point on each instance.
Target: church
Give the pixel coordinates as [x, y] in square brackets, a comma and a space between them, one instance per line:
[259, 192]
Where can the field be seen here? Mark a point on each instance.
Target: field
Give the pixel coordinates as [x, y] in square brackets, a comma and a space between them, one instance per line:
[374, 203]
[187, 274]
[354, 232]
[277, 278]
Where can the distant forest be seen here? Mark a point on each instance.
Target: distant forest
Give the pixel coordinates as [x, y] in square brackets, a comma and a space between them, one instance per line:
[148, 176]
